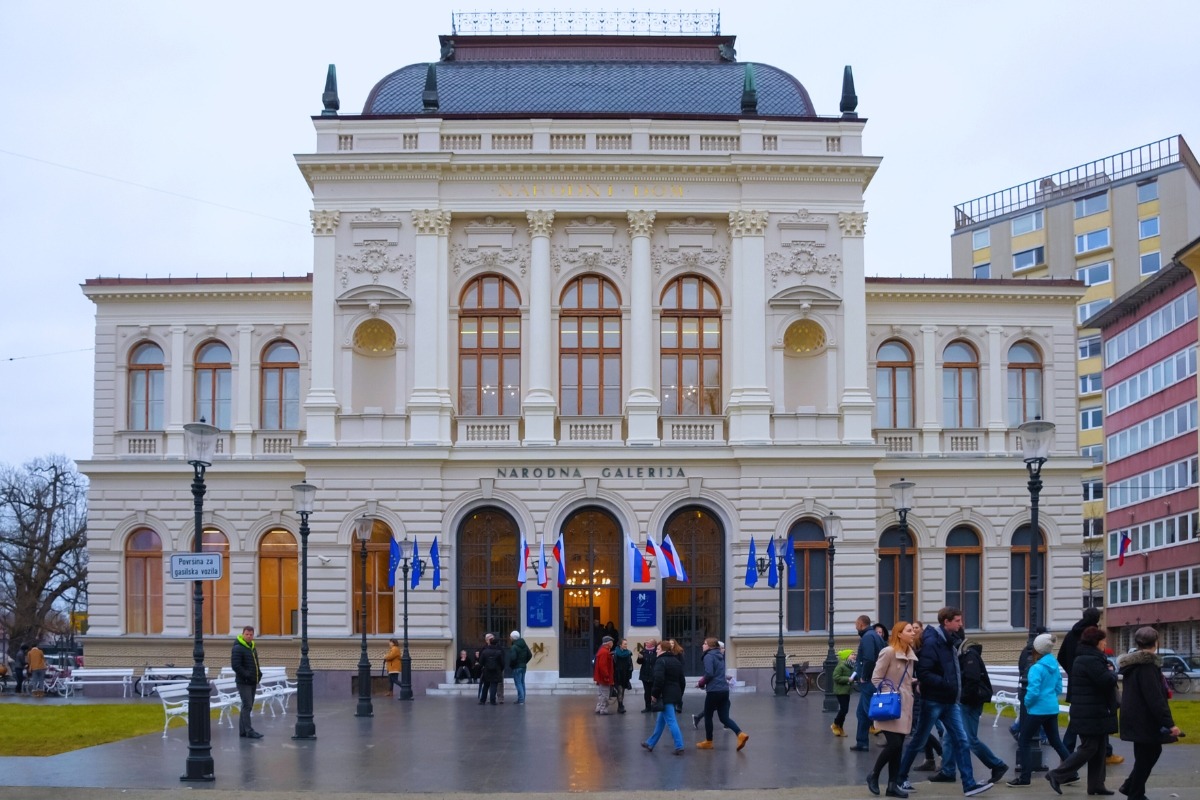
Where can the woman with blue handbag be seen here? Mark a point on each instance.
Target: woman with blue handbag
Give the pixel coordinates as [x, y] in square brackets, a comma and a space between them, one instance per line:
[892, 704]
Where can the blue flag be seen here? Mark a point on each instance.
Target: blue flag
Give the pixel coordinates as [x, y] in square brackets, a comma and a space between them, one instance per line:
[437, 567]
[393, 562]
[773, 574]
[789, 558]
[751, 566]
[416, 567]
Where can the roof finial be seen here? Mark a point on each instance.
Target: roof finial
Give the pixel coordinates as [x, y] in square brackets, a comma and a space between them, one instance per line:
[749, 92]
[330, 96]
[429, 97]
[849, 98]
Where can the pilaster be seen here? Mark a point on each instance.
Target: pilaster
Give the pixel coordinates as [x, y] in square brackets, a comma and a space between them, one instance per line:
[857, 404]
[243, 385]
[642, 404]
[176, 391]
[749, 401]
[321, 404]
[930, 393]
[540, 405]
[993, 393]
[430, 407]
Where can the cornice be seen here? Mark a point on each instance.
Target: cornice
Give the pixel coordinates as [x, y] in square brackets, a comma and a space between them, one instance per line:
[182, 291]
[916, 294]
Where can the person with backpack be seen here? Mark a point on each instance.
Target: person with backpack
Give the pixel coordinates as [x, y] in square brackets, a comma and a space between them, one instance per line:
[520, 656]
[491, 659]
[977, 690]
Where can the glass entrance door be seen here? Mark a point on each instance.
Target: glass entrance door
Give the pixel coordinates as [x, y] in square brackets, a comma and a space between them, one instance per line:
[591, 598]
[488, 596]
[696, 609]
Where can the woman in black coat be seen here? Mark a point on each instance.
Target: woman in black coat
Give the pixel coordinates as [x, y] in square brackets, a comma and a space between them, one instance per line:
[668, 689]
[646, 671]
[1145, 714]
[1093, 695]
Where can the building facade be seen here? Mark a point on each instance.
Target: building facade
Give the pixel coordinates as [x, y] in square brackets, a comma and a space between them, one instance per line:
[588, 301]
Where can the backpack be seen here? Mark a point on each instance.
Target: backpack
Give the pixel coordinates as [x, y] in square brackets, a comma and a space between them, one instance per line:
[976, 685]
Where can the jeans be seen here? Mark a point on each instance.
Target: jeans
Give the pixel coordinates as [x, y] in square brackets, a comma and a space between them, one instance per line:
[1030, 725]
[865, 690]
[717, 702]
[971, 716]
[956, 736]
[519, 680]
[666, 719]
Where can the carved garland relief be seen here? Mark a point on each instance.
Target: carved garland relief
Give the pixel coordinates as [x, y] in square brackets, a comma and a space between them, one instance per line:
[515, 258]
[690, 258]
[374, 260]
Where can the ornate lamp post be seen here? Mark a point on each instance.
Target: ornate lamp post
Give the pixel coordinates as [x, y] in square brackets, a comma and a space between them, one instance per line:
[199, 445]
[302, 502]
[406, 692]
[763, 566]
[362, 530]
[833, 531]
[902, 501]
[1036, 437]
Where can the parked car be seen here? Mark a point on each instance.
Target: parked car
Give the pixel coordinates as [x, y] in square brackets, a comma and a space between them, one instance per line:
[1174, 662]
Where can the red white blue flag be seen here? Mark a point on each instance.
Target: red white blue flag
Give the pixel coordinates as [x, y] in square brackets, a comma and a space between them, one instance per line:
[541, 578]
[1125, 542]
[639, 569]
[665, 569]
[560, 555]
[674, 558]
[523, 558]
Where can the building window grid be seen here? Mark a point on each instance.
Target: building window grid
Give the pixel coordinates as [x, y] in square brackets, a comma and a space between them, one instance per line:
[807, 603]
[1147, 191]
[1093, 490]
[1092, 240]
[489, 348]
[1093, 204]
[1089, 310]
[1095, 274]
[146, 396]
[1091, 418]
[1153, 483]
[1028, 259]
[1150, 263]
[892, 575]
[1024, 384]
[1155, 587]
[1156, 534]
[143, 583]
[1091, 383]
[1172, 316]
[1089, 346]
[1021, 563]
[960, 386]
[982, 271]
[894, 386]
[213, 380]
[981, 239]
[1148, 227]
[1093, 527]
[589, 327]
[1154, 431]
[964, 576]
[1027, 223]
[1171, 370]
[690, 340]
[280, 398]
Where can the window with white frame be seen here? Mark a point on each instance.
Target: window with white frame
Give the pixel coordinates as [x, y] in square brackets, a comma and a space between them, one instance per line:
[1147, 191]
[1094, 274]
[1093, 490]
[982, 270]
[1089, 310]
[1086, 206]
[1091, 383]
[1156, 534]
[1151, 262]
[1092, 240]
[960, 386]
[1147, 227]
[1171, 370]
[1024, 383]
[1153, 483]
[1093, 451]
[1027, 223]
[1091, 418]
[981, 239]
[1027, 259]
[1153, 432]
[1089, 346]
[1154, 588]
[1174, 315]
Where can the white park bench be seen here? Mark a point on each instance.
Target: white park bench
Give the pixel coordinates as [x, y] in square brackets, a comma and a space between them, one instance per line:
[84, 676]
[228, 698]
[175, 699]
[1006, 683]
[152, 677]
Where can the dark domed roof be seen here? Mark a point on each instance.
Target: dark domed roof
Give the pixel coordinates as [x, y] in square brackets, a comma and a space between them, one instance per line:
[589, 88]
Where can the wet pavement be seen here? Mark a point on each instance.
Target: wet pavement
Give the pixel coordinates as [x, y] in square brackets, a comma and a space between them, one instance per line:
[553, 744]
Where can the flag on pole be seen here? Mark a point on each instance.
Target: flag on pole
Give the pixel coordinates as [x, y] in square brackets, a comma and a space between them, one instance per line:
[434, 557]
[665, 568]
[675, 557]
[751, 565]
[773, 573]
[638, 568]
[394, 557]
[1125, 542]
[789, 558]
[560, 555]
[542, 578]
[416, 567]
[523, 559]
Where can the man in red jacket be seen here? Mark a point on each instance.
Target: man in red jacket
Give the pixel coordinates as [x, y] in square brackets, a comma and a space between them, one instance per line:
[603, 675]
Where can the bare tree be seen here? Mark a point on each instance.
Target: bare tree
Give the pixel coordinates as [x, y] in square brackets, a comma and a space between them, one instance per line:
[43, 538]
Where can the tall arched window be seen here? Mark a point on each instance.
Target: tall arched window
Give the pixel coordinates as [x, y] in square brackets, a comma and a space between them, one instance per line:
[281, 387]
[1028, 579]
[894, 386]
[960, 386]
[489, 599]
[589, 348]
[146, 388]
[897, 578]
[143, 582]
[278, 584]
[964, 575]
[381, 598]
[808, 600]
[216, 593]
[1024, 384]
[214, 385]
[690, 348]
[696, 609]
[489, 348]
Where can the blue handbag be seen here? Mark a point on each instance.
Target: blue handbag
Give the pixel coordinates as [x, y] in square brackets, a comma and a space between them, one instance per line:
[886, 702]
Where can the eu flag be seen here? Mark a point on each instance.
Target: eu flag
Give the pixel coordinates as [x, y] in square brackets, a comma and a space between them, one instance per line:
[751, 566]
[393, 562]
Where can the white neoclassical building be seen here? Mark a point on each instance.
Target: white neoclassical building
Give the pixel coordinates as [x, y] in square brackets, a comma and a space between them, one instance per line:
[595, 289]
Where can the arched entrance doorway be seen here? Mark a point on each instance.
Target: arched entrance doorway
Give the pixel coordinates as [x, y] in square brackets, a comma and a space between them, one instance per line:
[696, 609]
[591, 598]
[489, 599]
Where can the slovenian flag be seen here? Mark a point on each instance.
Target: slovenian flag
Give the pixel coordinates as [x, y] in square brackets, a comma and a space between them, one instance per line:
[1125, 542]
[523, 558]
[560, 555]
[416, 567]
[542, 578]
[638, 568]
[751, 568]
[789, 558]
[665, 568]
[435, 556]
[773, 573]
[675, 558]
[394, 557]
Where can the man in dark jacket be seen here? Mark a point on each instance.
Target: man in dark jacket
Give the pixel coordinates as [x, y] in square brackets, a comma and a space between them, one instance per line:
[491, 658]
[1145, 712]
[247, 674]
[869, 645]
[1093, 692]
[1066, 659]
[646, 671]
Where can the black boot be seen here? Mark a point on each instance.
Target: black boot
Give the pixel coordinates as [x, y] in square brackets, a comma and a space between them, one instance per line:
[620, 708]
[894, 790]
[873, 783]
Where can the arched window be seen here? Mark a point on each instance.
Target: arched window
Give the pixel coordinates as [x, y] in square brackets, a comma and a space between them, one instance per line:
[894, 386]
[589, 348]
[146, 388]
[1028, 579]
[278, 585]
[281, 387]
[808, 600]
[960, 386]
[489, 348]
[143, 582]
[216, 593]
[214, 385]
[381, 598]
[1024, 384]
[690, 348]
[696, 609]
[964, 575]
[897, 585]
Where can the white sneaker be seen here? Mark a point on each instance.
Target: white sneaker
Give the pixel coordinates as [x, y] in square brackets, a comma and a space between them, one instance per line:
[907, 787]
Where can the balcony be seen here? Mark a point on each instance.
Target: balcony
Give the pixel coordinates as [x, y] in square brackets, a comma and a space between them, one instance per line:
[693, 430]
[590, 430]
[487, 431]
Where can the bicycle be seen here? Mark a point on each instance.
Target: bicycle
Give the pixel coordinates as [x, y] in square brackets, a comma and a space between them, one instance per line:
[794, 681]
[1179, 681]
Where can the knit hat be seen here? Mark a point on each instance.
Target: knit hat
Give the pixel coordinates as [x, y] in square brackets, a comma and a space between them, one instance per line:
[1044, 643]
[844, 654]
[515, 635]
[606, 639]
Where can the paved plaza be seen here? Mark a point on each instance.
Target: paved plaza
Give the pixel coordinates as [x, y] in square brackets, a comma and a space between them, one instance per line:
[451, 746]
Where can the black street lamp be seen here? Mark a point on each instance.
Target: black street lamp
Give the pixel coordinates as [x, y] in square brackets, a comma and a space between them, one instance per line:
[406, 692]
[302, 502]
[763, 566]
[199, 445]
[902, 501]
[833, 531]
[1036, 437]
[362, 529]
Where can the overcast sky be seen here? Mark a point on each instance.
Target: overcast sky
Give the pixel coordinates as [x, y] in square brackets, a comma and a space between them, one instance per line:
[157, 138]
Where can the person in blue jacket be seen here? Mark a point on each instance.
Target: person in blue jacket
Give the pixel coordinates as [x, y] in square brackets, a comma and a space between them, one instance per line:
[1041, 706]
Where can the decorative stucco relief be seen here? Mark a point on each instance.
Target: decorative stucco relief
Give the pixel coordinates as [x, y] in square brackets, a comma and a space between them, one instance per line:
[324, 223]
[690, 258]
[373, 259]
[513, 259]
[853, 223]
[802, 259]
[615, 258]
[432, 222]
[748, 223]
[541, 223]
[375, 215]
[641, 223]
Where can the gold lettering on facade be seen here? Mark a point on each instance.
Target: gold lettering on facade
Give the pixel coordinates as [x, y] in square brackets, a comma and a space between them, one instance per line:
[657, 191]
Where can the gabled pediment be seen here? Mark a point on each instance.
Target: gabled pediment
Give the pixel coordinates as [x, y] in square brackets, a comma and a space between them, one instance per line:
[374, 295]
[805, 297]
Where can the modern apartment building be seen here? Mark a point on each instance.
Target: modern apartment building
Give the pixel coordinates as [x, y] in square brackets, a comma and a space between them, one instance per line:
[1110, 223]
